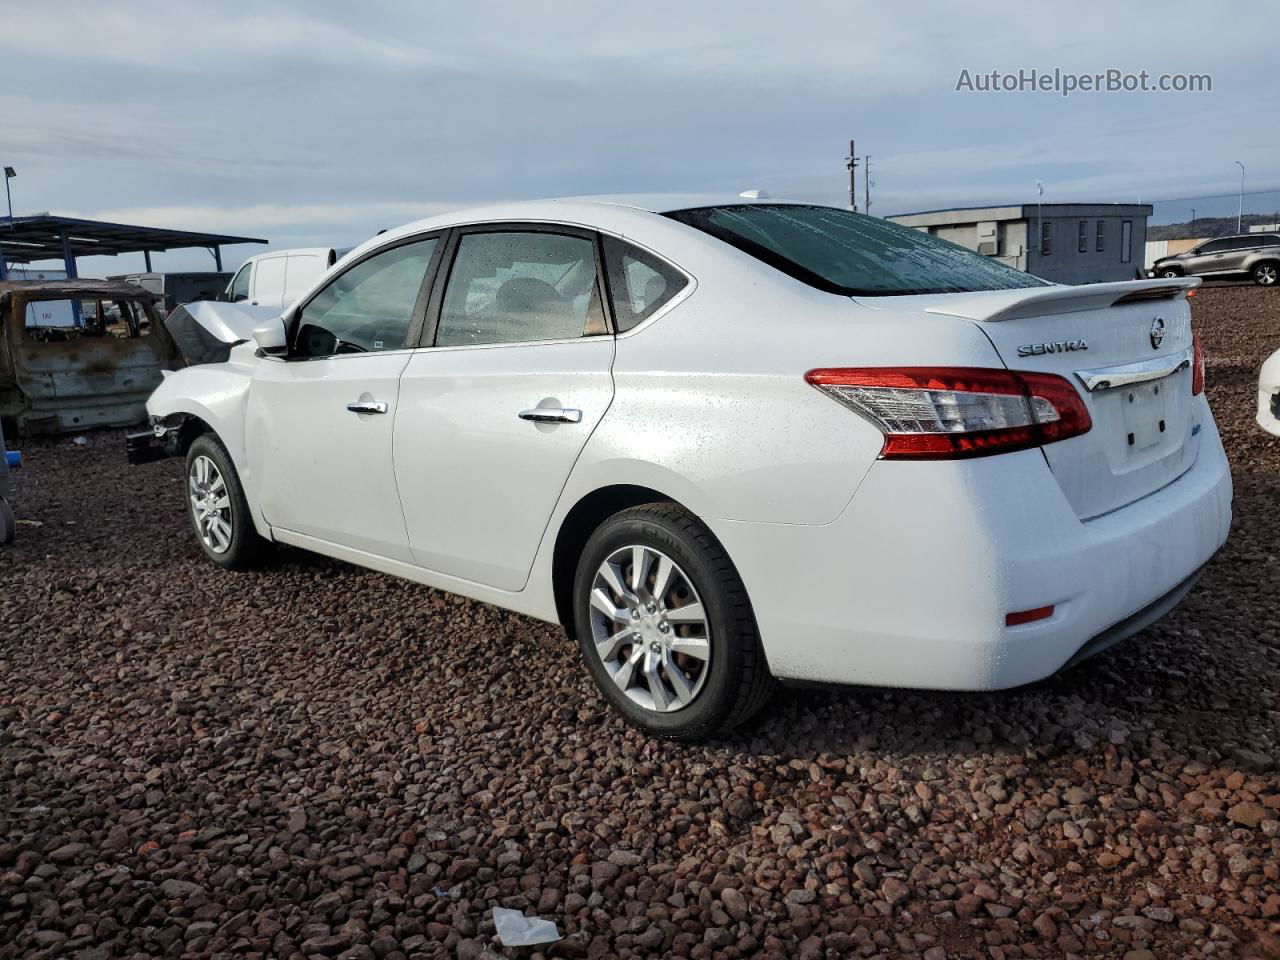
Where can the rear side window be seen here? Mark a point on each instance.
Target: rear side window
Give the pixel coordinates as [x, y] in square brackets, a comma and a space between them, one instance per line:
[850, 253]
[639, 283]
[514, 287]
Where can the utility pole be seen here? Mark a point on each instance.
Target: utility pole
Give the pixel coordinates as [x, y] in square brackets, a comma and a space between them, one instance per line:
[1240, 208]
[851, 164]
[866, 185]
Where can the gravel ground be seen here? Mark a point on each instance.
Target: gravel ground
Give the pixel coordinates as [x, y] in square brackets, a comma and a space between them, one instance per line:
[313, 760]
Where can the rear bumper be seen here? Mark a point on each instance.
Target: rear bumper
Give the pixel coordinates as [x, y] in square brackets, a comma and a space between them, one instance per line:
[911, 585]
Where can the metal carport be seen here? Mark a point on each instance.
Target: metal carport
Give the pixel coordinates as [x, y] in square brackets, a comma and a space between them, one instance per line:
[45, 237]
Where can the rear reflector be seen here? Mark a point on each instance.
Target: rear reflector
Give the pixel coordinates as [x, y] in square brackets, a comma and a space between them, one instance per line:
[1028, 616]
[951, 412]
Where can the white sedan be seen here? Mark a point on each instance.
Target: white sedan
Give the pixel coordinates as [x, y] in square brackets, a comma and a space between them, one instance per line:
[724, 443]
[1269, 395]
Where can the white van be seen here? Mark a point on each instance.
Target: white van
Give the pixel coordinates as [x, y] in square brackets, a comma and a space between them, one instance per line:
[278, 278]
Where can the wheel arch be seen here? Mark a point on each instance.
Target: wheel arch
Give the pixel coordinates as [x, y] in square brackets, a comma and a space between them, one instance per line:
[186, 427]
[1264, 261]
[579, 523]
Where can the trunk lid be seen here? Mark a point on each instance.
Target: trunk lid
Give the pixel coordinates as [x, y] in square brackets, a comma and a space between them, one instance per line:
[1127, 349]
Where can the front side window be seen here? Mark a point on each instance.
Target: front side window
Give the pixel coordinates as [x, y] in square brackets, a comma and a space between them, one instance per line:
[239, 289]
[1213, 246]
[849, 253]
[516, 286]
[639, 283]
[368, 307]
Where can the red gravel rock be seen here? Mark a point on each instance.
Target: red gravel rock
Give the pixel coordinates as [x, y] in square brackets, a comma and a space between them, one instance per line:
[311, 759]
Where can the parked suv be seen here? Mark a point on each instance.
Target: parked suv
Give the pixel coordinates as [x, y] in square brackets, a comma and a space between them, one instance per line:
[1255, 255]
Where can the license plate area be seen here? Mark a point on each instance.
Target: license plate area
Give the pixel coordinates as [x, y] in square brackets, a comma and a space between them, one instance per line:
[1146, 415]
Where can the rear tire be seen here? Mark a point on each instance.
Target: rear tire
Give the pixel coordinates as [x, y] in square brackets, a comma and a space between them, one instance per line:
[8, 525]
[217, 506]
[676, 650]
[1266, 274]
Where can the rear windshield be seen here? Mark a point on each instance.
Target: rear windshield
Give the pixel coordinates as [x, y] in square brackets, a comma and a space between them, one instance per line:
[851, 253]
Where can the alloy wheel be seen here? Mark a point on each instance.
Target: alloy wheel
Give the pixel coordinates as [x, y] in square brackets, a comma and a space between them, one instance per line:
[1266, 275]
[210, 504]
[650, 628]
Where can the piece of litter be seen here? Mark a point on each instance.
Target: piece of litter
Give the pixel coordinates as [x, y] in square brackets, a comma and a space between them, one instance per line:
[439, 891]
[30, 523]
[516, 930]
[80, 441]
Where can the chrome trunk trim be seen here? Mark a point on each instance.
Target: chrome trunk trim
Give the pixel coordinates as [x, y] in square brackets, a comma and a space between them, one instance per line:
[1105, 378]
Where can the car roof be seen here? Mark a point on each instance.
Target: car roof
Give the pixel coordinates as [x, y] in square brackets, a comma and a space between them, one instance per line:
[292, 252]
[609, 212]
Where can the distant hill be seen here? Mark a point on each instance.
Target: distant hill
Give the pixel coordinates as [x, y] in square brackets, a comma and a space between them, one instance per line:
[1207, 227]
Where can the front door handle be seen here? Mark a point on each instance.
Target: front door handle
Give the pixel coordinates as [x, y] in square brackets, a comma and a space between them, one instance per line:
[552, 415]
[367, 406]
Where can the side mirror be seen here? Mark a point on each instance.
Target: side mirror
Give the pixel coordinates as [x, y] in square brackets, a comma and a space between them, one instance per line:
[271, 337]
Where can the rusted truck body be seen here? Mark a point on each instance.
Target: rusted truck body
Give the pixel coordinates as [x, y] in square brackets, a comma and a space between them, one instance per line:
[76, 354]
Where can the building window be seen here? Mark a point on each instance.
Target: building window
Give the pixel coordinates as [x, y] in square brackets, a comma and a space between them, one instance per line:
[1083, 239]
[1102, 237]
[1126, 241]
[1046, 239]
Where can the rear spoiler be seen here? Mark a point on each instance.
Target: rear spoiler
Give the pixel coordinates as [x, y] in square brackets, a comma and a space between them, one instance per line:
[993, 306]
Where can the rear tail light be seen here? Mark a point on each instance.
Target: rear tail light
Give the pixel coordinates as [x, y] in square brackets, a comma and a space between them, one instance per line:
[939, 413]
[1197, 366]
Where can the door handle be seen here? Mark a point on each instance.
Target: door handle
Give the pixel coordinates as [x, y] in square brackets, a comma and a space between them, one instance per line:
[367, 406]
[552, 415]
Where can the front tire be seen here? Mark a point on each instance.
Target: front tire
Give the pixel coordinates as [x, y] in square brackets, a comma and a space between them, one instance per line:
[665, 625]
[1266, 274]
[1170, 272]
[217, 506]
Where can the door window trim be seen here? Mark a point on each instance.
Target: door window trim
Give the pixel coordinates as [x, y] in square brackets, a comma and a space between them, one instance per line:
[690, 285]
[440, 280]
[441, 236]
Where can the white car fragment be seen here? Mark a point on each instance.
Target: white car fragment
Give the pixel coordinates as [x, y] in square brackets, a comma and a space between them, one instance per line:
[1269, 395]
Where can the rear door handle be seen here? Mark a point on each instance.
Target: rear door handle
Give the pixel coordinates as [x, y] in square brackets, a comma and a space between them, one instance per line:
[367, 406]
[552, 415]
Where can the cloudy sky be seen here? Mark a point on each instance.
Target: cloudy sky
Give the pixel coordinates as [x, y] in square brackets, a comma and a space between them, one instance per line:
[320, 123]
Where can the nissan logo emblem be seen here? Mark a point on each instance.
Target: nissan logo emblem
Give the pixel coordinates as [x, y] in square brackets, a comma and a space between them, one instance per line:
[1157, 333]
